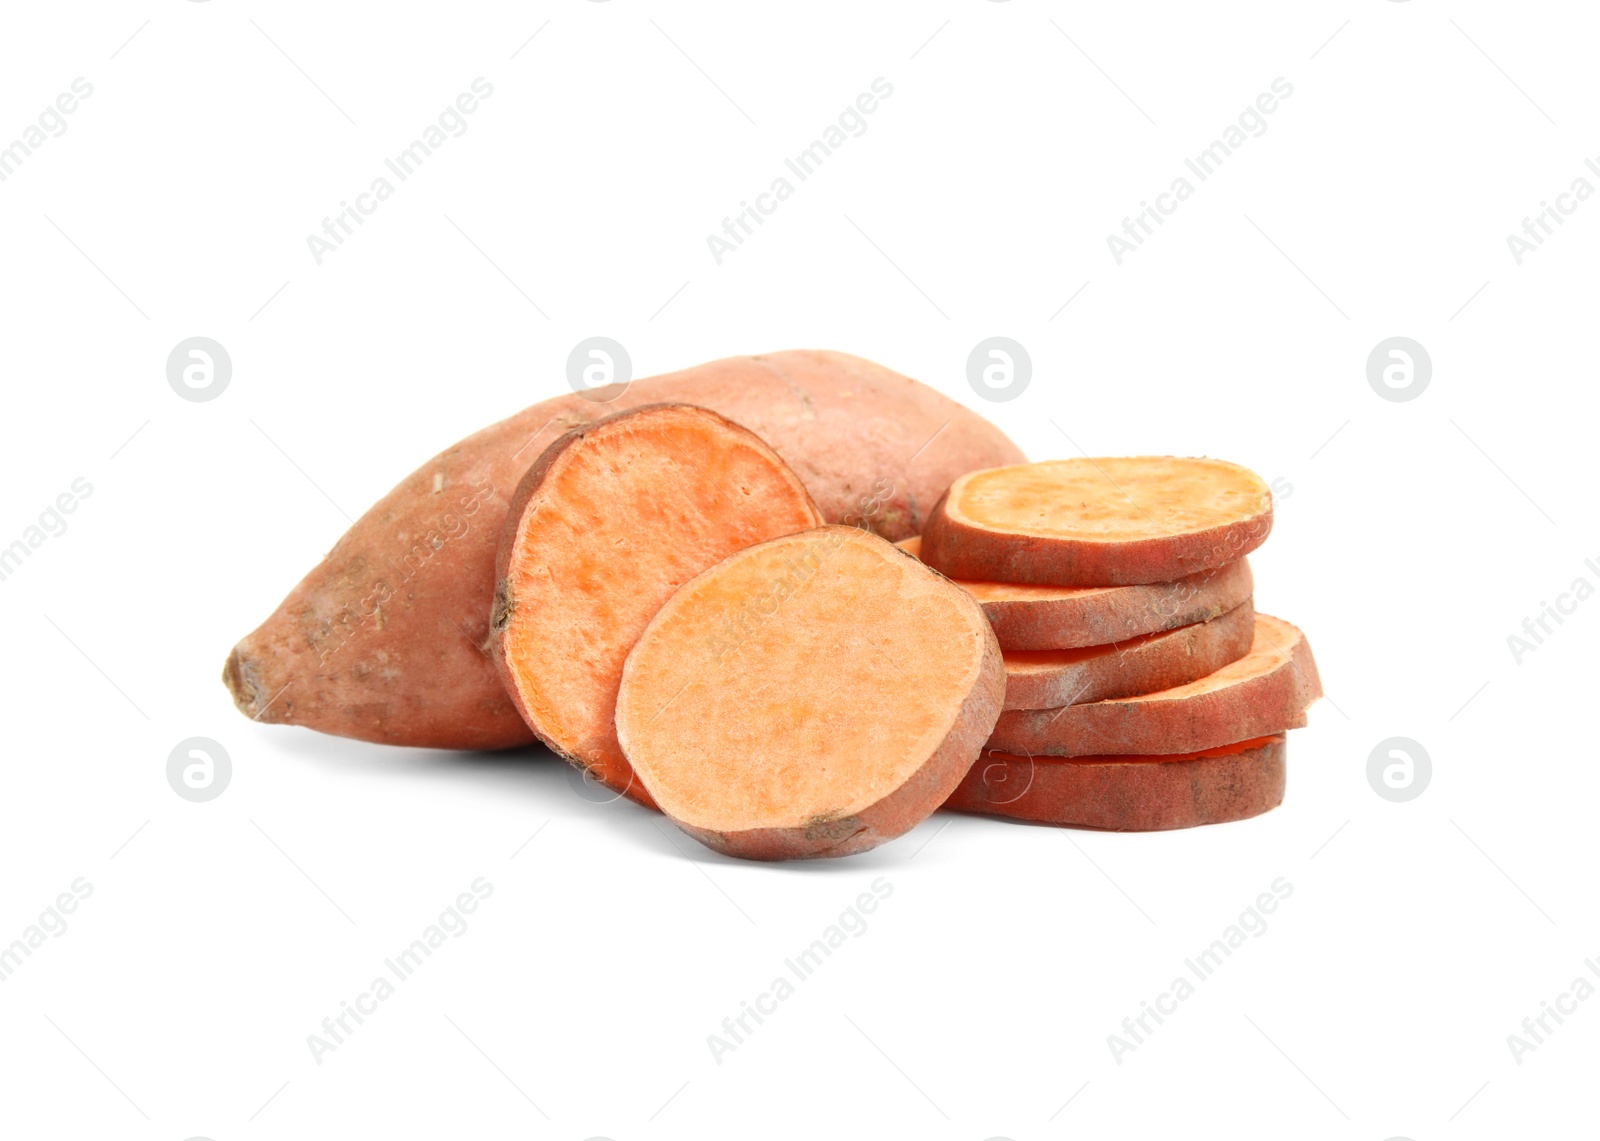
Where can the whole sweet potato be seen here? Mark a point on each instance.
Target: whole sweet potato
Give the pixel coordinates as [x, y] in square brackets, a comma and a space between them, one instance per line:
[384, 639]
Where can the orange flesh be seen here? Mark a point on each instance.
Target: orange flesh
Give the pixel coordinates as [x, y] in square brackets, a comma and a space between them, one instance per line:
[798, 682]
[1109, 500]
[623, 517]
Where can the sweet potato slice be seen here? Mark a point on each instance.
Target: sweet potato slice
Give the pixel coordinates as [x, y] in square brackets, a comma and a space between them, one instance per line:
[1049, 679]
[1259, 695]
[814, 695]
[1129, 794]
[1028, 617]
[610, 520]
[1097, 522]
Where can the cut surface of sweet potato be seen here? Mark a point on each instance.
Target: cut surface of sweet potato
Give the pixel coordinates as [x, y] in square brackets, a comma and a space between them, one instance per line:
[1129, 794]
[611, 519]
[813, 695]
[1097, 522]
[1049, 679]
[1261, 694]
[1027, 617]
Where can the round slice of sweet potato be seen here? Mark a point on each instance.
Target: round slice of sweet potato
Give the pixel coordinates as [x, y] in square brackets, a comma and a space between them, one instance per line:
[814, 695]
[1049, 679]
[1261, 694]
[1129, 794]
[1097, 522]
[1028, 617]
[611, 519]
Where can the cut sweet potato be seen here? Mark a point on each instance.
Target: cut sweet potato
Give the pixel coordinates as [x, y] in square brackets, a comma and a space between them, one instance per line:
[1257, 696]
[384, 639]
[1049, 679]
[609, 522]
[814, 695]
[1129, 794]
[1028, 617]
[1097, 522]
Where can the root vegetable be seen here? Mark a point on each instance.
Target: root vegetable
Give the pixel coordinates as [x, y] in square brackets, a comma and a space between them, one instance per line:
[1129, 794]
[1049, 679]
[813, 695]
[384, 639]
[1097, 522]
[1261, 694]
[1065, 617]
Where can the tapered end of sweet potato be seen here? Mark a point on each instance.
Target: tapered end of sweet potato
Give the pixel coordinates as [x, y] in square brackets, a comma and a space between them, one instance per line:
[236, 675]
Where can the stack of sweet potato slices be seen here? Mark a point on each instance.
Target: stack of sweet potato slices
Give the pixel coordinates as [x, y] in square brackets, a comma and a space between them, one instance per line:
[1073, 642]
[1143, 691]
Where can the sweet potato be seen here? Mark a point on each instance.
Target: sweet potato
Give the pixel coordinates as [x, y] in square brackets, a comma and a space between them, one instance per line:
[1049, 679]
[1257, 696]
[813, 695]
[1064, 617]
[1097, 522]
[1129, 794]
[611, 520]
[384, 639]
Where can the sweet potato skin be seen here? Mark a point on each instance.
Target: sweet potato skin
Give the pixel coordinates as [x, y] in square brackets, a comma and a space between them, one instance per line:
[385, 639]
[1028, 617]
[1045, 679]
[1129, 794]
[1257, 706]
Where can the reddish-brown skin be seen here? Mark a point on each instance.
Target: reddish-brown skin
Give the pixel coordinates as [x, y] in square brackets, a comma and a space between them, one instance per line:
[976, 554]
[384, 639]
[1129, 794]
[1204, 717]
[1066, 618]
[1043, 618]
[1049, 679]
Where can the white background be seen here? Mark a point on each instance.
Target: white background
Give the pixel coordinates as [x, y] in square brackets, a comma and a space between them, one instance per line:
[1416, 538]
